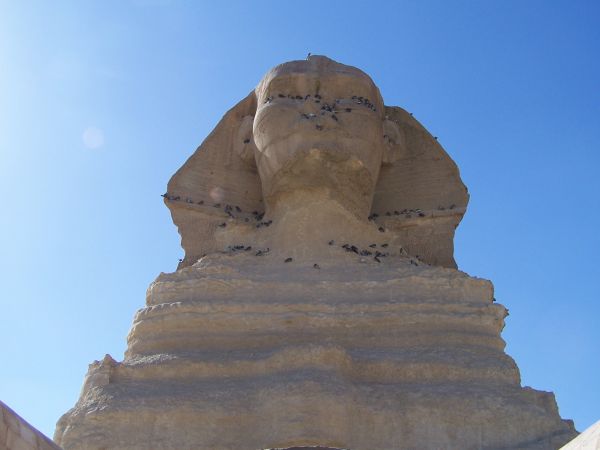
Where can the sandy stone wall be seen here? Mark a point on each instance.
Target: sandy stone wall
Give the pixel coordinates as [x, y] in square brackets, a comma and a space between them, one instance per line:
[17, 434]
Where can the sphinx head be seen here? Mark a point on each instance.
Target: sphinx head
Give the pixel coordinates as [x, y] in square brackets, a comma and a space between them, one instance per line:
[318, 129]
[314, 148]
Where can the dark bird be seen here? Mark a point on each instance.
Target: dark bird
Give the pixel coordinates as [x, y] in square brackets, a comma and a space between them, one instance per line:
[287, 260]
[331, 242]
[348, 109]
[238, 209]
[381, 229]
[376, 259]
[384, 245]
[246, 141]
[165, 195]
[308, 56]
[373, 245]
[316, 266]
[217, 205]
[223, 225]
[334, 117]
[201, 202]
[421, 214]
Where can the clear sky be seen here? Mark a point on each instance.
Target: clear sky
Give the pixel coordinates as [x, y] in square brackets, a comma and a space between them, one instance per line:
[101, 101]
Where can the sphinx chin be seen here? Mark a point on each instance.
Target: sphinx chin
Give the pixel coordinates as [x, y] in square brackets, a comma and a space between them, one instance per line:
[338, 176]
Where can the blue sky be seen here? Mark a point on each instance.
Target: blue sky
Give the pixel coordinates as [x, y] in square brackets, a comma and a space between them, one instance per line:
[100, 102]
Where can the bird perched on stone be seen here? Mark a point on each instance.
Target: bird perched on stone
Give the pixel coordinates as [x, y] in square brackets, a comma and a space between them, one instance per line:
[316, 266]
[287, 260]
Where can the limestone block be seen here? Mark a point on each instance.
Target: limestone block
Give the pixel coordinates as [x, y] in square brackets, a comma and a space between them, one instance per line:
[17, 434]
[588, 440]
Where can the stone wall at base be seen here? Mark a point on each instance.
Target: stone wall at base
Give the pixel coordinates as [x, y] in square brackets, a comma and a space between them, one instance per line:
[588, 440]
[17, 434]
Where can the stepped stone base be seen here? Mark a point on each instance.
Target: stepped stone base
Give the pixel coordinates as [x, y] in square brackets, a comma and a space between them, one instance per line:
[244, 352]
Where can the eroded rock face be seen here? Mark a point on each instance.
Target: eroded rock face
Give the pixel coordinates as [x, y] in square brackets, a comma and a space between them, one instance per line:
[310, 321]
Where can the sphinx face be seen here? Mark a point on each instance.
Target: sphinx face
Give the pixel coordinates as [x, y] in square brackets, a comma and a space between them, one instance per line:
[319, 127]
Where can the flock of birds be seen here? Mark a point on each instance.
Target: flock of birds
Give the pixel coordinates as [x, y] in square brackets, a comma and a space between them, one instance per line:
[232, 210]
[336, 108]
[317, 98]
[371, 251]
[333, 109]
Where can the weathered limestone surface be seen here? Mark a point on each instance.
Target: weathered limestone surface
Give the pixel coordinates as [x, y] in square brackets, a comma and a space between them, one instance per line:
[318, 303]
[17, 434]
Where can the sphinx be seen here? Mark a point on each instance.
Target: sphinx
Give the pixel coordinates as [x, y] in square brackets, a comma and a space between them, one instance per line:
[318, 304]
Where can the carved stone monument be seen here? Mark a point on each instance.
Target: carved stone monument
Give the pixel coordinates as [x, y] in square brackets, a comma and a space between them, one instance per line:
[318, 303]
